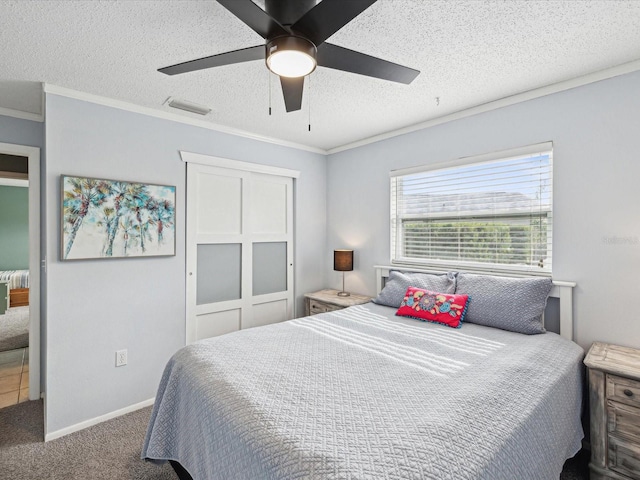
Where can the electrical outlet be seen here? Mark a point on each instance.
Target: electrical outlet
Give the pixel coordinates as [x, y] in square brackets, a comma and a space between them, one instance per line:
[121, 358]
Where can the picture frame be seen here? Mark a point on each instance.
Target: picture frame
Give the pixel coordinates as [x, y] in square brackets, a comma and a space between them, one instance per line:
[102, 218]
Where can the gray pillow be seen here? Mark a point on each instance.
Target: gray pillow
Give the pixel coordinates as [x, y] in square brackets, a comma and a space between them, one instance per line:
[514, 304]
[393, 292]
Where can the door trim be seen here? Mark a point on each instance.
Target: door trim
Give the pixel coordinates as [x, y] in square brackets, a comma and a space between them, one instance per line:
[33, 159]
[189, 157]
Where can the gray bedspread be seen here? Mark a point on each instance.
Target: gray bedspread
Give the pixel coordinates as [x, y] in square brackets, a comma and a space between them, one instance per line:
[360, 393]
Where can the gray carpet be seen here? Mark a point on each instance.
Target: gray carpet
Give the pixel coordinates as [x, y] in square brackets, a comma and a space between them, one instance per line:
[14, 329]
[110, 450]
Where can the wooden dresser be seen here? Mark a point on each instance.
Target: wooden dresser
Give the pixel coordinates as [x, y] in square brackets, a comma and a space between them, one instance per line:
[614, 397]
[328, 300]
[19, 297]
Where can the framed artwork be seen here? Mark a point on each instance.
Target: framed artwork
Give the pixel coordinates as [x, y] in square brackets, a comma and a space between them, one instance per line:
[116, 219]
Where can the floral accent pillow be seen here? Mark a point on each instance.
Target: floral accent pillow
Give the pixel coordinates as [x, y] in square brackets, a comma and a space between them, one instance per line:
[434, 307]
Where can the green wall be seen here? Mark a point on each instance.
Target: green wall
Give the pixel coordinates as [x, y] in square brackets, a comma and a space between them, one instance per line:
[14, 228]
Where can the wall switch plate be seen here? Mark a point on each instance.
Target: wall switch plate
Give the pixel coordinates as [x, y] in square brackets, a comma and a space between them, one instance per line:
[121, 358]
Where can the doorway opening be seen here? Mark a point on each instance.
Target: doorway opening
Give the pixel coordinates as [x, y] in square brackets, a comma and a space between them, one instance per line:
[19, 274]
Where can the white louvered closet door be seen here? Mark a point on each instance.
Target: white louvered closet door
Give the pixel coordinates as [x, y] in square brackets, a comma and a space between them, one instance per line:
[239, 250]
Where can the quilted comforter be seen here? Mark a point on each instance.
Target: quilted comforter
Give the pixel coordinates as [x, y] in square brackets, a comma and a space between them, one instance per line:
[360, 393]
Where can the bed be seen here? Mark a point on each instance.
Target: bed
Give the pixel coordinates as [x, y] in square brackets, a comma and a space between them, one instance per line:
[18, 286]
[363, 393]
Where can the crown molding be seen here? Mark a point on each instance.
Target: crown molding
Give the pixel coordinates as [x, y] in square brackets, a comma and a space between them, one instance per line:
[502, 102]
[152, 112]
[212, 161]
[34, 117]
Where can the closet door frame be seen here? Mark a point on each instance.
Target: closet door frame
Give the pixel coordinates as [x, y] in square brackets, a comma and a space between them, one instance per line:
[247, 302]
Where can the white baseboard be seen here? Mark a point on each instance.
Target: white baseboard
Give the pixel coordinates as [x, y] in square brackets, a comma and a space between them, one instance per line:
[94, 421]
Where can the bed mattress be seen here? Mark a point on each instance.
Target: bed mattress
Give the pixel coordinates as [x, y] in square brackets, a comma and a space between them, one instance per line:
[361, 393]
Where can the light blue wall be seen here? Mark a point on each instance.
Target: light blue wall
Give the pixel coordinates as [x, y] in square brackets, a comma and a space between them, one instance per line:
[596, 147]
[96, 307]
[21, 132]
[14, 228]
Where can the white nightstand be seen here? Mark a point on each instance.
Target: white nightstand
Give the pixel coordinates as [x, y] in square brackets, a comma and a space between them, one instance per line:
[328, 300]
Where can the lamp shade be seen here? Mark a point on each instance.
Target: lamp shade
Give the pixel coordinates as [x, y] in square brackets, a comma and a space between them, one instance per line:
[343, 260]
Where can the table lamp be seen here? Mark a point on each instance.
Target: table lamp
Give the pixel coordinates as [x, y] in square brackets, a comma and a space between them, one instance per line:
[343, 262]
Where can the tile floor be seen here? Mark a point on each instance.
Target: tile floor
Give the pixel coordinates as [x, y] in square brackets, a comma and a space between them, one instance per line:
[14, 377]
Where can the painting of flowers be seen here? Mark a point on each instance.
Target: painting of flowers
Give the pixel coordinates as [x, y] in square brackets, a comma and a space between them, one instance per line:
[115, 219]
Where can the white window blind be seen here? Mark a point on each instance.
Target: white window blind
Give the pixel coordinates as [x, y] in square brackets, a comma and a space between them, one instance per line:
[486, 213]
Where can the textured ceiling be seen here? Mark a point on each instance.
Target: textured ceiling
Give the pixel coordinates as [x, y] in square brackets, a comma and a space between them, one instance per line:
[469, 52]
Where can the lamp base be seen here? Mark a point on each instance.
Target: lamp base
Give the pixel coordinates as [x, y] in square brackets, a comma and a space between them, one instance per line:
[343, 294]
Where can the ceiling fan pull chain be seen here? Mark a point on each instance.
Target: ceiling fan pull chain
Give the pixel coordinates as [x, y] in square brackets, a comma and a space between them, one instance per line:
[269, 82]
[309, 95]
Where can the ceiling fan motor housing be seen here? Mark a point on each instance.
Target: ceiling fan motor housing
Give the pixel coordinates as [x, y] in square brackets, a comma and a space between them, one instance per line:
[288, 12]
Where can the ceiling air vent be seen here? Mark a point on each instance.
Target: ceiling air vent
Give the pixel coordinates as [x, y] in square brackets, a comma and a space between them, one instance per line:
[187, 106]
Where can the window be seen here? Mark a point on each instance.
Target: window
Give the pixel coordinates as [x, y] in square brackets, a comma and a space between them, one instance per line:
[486, 213]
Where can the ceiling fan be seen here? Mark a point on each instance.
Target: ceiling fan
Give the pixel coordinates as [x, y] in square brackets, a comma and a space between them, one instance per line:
[295, 32]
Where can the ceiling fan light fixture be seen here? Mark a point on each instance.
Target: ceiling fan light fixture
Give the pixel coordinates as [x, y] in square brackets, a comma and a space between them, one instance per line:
[291, 56]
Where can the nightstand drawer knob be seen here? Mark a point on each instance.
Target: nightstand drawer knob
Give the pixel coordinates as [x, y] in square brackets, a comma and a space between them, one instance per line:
[628, 392]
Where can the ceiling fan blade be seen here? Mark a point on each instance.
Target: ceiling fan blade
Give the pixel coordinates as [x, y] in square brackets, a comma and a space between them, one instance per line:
[227, 58]
[339, 58]
[327, 17]
[255, 18]
[292, 90]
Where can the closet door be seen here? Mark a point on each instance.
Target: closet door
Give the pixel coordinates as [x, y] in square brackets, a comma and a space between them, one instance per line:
[239, 250]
